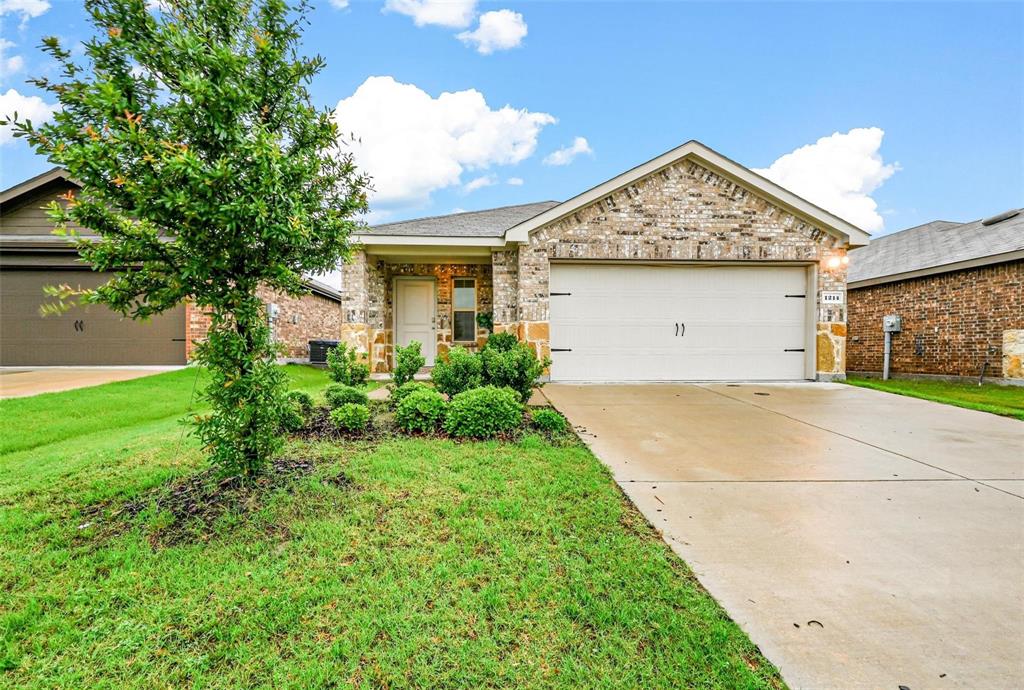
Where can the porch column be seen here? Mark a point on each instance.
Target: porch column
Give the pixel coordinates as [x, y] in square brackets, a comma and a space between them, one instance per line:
[362, 323]
[505, 279]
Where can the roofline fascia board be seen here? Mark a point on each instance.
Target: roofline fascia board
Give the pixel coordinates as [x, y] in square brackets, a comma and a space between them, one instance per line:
[11, 193]
[369, 240]
[1005, 257]
[715, 161]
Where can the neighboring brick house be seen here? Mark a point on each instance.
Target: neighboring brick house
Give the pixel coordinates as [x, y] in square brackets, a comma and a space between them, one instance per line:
[959, 290]
[31, 257]
[687, 267]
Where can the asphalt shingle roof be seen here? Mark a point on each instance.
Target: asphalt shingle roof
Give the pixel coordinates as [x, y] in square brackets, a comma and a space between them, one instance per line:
[935, 244]
[490, 223]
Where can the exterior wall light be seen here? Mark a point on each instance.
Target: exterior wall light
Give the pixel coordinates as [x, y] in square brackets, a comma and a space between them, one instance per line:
[834, 262]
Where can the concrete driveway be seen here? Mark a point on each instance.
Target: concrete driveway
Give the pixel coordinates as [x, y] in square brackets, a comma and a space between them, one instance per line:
[18, 382]
[862, 539]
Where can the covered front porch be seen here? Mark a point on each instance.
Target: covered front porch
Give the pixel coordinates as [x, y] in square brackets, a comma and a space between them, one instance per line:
[440, 297]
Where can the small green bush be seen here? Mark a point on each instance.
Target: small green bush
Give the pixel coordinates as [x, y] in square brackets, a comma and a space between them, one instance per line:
[517, 368]
[343, 366]
[294, 417]
[408, 361]
[351, 417]
[459, 371]
[302, 399]
[399, 394]
[422, 410]
[338, 394]
[548, 420]
[501, 341]
[483, 412]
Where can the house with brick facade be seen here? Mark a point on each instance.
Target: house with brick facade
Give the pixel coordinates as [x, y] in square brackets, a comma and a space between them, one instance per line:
[686, 267]
[958, 289]
[31, 258]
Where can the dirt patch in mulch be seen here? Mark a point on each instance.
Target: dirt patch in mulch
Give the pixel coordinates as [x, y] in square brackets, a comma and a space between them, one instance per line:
[185, 509]
[319, 426]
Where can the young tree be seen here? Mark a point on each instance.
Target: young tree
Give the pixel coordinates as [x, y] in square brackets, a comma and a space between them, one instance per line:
[206, 172]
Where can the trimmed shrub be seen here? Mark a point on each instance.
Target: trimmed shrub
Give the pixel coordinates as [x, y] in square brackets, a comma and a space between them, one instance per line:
[483, 412]
[501, 341]
[517, 368]
[338, 394]
[421, 410]
[548, 420]
[459, 371]
[408, 361]
[343, 366]
[351, 417]
[294, 417]
[399, 394]
[302, 399]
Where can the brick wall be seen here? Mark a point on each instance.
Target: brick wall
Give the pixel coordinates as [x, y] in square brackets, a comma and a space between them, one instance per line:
[299, 320]
[684, 212]
[952, 322]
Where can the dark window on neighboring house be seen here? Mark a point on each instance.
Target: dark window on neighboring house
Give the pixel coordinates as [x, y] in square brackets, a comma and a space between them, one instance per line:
[464, 310]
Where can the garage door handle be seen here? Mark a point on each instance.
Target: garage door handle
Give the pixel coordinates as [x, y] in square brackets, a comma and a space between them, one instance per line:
[800, 296]
[561, 349]
[560, 294]
[793, 349]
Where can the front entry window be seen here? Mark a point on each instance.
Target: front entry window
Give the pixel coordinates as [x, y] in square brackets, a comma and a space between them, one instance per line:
[464, 310]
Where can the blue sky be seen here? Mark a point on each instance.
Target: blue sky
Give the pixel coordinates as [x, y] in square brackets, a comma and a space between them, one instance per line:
[919, 107]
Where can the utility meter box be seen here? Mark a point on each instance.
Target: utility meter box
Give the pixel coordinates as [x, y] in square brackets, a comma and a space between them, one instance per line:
[892, 323]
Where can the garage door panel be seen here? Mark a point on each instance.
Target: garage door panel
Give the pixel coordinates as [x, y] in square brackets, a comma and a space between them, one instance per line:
[673, 323]
[92, 335]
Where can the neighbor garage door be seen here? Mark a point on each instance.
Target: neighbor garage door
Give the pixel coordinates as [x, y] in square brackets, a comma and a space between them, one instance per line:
[92, 336]
[678, 323]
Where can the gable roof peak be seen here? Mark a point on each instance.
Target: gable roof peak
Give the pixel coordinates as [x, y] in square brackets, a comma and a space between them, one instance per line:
[717, 163]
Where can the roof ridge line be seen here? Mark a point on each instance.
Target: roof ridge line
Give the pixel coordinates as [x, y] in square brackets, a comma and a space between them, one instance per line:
[464, 213]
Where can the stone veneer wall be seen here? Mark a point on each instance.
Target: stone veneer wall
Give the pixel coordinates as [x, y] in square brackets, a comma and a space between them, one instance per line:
[369, 303]
[299, 320]
[953, 323]
[682, 213]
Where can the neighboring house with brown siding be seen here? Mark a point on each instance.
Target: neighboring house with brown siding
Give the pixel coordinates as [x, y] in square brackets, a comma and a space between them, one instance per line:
[959, 290]
[687, 267]
[31, 258]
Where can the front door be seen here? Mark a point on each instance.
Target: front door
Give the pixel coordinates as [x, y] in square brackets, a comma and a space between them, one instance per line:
[414, 315]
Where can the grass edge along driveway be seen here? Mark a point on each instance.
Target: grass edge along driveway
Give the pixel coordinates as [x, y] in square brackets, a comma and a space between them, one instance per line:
[414, 562]
[1007, 401]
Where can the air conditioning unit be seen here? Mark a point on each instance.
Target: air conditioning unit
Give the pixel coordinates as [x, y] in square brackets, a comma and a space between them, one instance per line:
[318, 350]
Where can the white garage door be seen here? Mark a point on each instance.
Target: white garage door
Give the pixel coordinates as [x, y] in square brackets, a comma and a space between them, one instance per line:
[678, 323]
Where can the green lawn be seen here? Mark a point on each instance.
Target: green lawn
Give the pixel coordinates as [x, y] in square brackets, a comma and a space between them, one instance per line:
[412, 562]
[1002, 400]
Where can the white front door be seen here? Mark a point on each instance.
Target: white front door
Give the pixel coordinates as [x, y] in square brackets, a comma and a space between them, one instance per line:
[414, 315]
[678, 323]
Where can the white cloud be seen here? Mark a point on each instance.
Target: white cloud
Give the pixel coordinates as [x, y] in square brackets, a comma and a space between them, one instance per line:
[498, 30]
[413, 144]
[339, 4]
[566, 154]
[28, 9]
[514, 181]
[27, 107]
[456, 14]
[9, 65]
[158, 5]
[838, 173]
[479, 183]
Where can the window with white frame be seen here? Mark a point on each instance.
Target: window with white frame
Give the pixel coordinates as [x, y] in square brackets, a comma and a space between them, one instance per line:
[464, 310]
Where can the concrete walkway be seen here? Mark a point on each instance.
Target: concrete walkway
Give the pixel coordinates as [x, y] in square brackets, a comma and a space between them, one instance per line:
[19, 382]
[862, 539]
